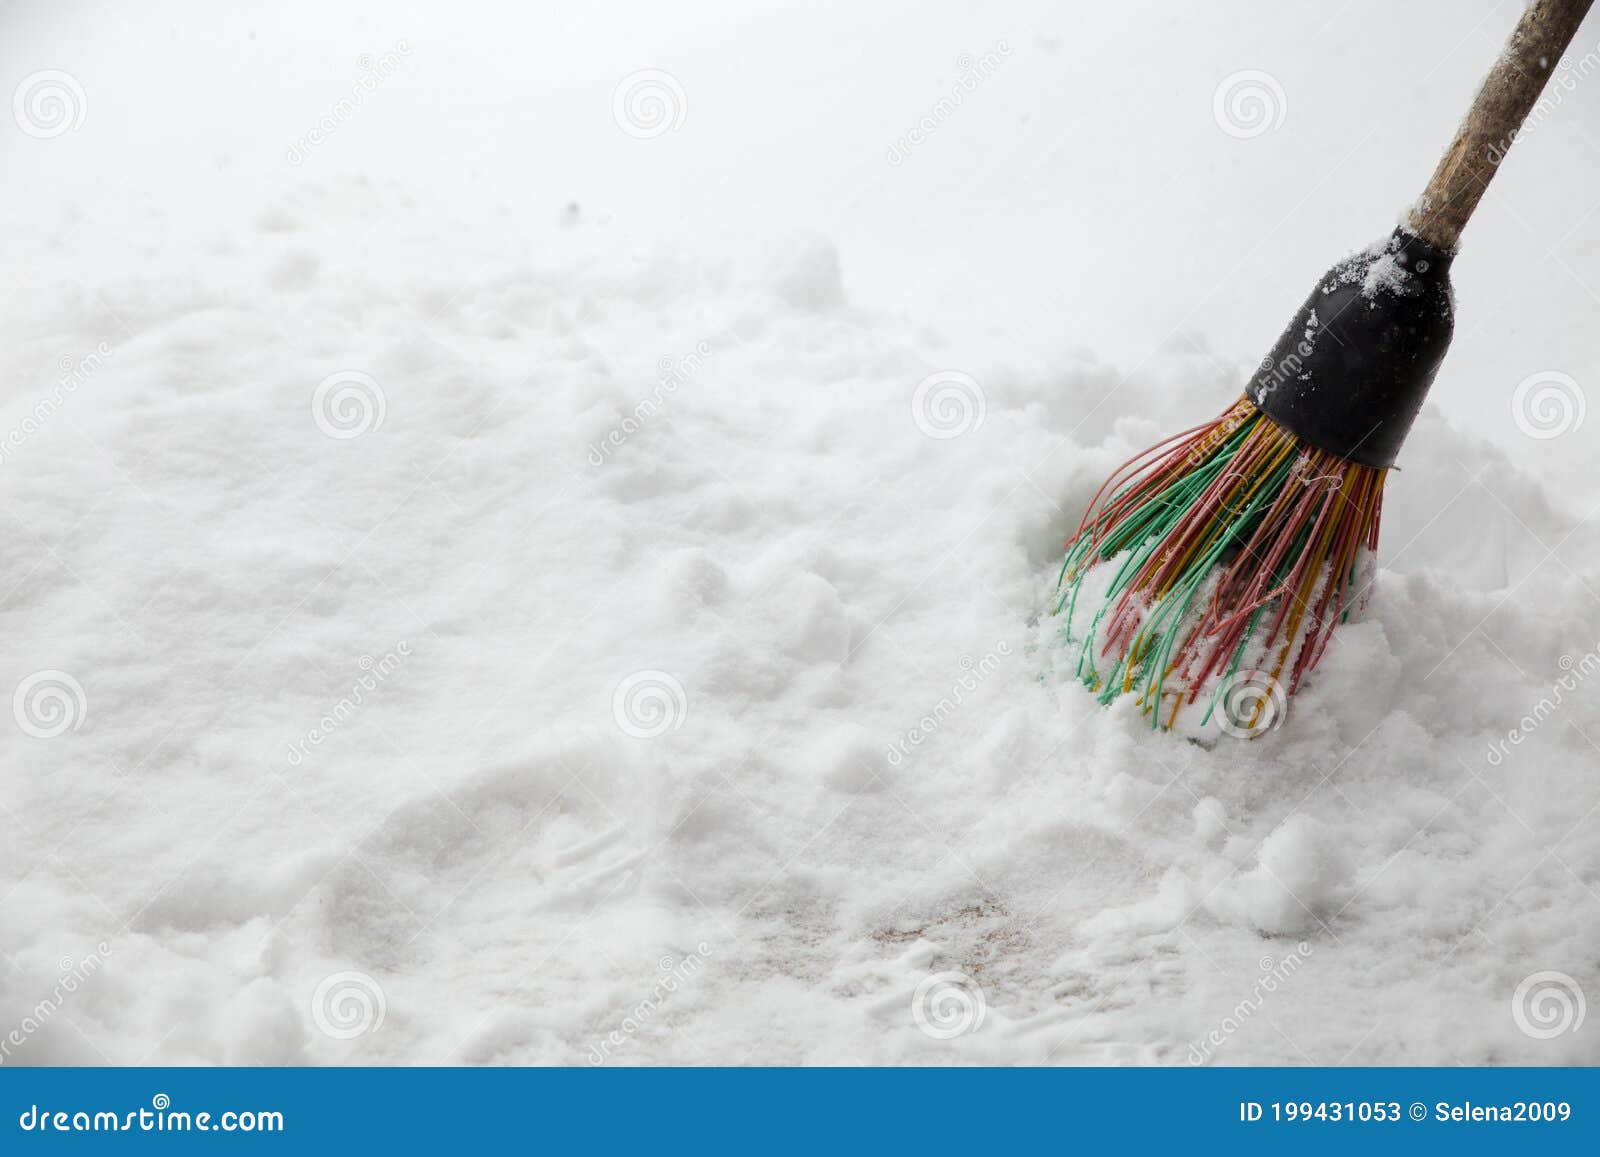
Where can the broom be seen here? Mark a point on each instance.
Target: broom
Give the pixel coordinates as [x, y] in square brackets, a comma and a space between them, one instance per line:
[1224, 557]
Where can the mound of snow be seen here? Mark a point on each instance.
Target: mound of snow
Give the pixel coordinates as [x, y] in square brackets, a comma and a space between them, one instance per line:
[554, 652]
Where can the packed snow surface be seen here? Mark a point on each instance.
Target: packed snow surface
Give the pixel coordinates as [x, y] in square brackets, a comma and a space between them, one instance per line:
[716, 726]
[482, 628]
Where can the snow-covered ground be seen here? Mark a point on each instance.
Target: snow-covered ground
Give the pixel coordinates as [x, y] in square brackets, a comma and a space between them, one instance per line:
[485, 585]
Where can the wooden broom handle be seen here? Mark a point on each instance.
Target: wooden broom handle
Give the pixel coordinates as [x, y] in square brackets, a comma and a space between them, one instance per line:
[1508, 93]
